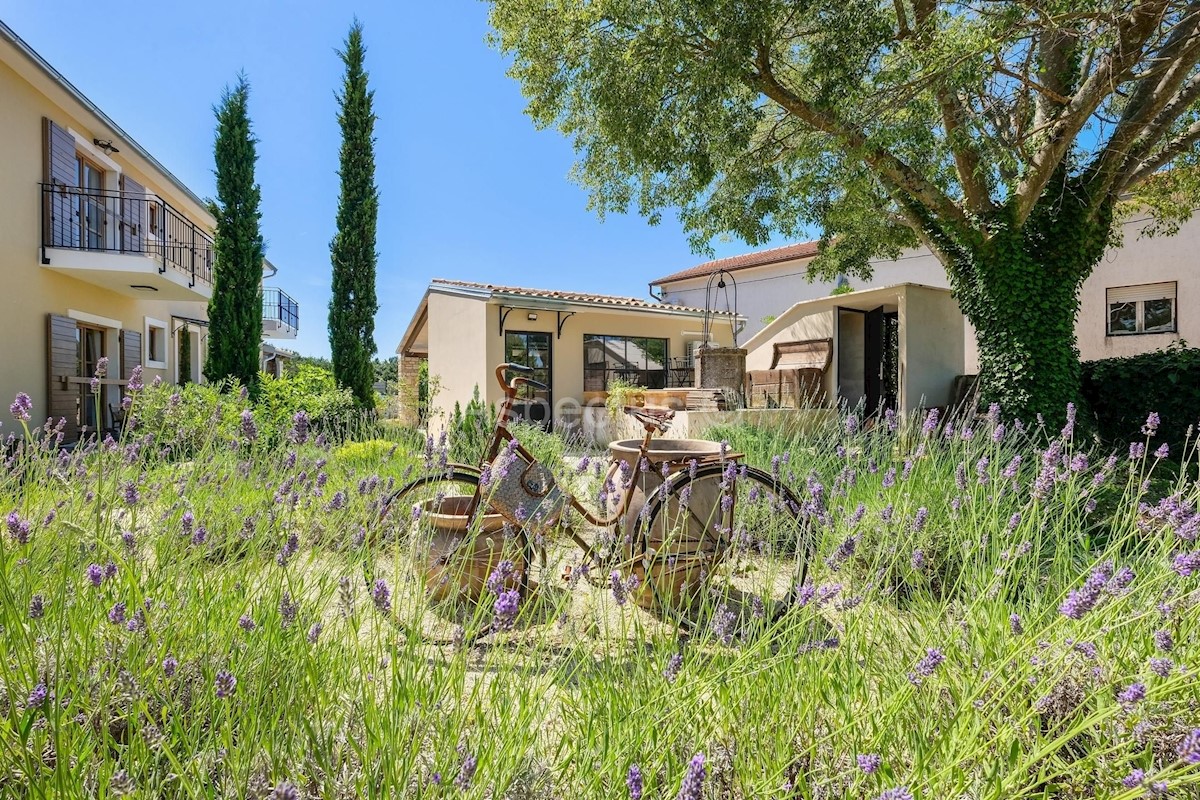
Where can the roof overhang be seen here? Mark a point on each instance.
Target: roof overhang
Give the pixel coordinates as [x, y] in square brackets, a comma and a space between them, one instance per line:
[516, 300]
[415, 341]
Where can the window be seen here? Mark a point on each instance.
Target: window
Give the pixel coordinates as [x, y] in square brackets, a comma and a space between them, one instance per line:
[155, 356]
[1149, 308]
[635, 359]
[152, 220]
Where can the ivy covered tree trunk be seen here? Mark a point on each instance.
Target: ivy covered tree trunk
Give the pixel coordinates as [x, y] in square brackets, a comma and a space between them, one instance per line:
[1020, 289]
[353, 304]
[235, 310]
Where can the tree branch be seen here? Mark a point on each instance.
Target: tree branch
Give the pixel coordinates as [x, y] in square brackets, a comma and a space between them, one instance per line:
[1145, 116]
[1134, 30]
[1169, 153]
[890, 169]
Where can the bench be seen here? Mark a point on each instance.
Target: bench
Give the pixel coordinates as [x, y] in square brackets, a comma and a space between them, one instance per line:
[796, 378]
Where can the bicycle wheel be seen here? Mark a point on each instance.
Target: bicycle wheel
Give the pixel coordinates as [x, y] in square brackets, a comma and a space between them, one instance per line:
[722, 540]
[396, 510]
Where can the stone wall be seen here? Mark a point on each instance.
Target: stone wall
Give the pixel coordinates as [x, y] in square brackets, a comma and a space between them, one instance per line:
[408, 389]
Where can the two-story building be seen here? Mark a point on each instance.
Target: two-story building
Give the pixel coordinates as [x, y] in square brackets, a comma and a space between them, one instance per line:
[103, 253]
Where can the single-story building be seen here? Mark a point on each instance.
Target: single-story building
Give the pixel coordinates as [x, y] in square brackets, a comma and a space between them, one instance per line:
[898, 347]
[577, 344]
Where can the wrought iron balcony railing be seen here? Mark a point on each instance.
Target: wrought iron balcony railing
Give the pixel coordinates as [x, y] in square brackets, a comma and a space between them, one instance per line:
[124, 222]
[279, 308]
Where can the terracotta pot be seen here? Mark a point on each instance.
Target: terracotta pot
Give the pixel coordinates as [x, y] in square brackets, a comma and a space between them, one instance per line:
[459, 553]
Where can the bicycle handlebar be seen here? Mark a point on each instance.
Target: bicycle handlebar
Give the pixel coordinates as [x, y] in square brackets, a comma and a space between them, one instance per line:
[510, 385]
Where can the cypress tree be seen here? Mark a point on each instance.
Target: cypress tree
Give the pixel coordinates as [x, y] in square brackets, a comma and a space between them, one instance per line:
[352, 251]
[235, 310]
[185, 357]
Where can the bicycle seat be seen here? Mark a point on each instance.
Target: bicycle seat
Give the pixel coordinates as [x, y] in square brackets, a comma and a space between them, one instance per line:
[652, 417]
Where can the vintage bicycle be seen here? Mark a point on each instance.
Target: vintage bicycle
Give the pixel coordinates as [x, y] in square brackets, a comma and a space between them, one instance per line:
[667, 513]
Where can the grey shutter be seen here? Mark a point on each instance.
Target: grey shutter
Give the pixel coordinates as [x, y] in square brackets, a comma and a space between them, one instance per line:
[131, 352]
[62, 175]
[133, 205]
[62, 360]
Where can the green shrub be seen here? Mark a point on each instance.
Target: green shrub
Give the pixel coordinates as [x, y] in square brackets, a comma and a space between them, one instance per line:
[1121, 392]
[311, 389]
[471, 430]
[187, 418]
[365, 454]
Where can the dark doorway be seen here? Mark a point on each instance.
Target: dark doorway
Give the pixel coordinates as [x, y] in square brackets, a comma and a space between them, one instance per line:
[532, 349]
[881, 356]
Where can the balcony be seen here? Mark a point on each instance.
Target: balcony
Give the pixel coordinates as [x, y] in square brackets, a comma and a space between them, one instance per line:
[132, 244]
[281, 314]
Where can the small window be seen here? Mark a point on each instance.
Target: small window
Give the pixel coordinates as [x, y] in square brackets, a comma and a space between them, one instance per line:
[156, 344]
[152, 222]
[1149, 308]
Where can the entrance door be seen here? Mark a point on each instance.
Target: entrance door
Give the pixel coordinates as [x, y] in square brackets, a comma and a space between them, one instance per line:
[881, 343]
[532, 349]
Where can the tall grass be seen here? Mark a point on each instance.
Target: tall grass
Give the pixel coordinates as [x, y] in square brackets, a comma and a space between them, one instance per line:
[233, 622]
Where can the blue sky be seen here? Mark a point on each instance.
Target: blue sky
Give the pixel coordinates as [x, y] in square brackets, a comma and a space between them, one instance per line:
[469, 189]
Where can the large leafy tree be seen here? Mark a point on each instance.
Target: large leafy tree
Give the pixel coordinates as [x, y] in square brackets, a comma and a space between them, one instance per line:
[353, 305]
[1004, 135]
[235, 310]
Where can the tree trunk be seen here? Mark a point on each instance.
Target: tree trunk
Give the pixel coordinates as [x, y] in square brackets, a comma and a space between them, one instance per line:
[1020, 289]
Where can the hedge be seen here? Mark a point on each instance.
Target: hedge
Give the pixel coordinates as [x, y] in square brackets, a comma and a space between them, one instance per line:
[1121, 392]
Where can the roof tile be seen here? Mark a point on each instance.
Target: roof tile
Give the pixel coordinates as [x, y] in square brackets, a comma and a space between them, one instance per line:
[615, 301]
[760, 258]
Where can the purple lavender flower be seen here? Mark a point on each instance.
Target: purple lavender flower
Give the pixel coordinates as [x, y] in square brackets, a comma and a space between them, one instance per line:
[851, 425]
[285, 791]
[634, 781]
[18, 528]
[1187, 563]
[38, 697]
[246, 623]
[1134, 779]
[1010, 471]
[917, 561]
[225, 684]
[869, 762]
[889, 478]
[692, 787]
[1137, 451]
[314, 633]
[131, 494]
[926, 666]
[249, 429]
[1132, 695]
[500, 576]
[1080, 601]
[618, 587]
[21, 407]
[95, 574]
[898, 793]
[1015, 624]
[674, 664]
[1164, 641]
[37, 607]
[1162, 667]
[110, 571]
[466, 771]
[300, 427]
[169, 665]
[1152, 423]
[1163, 451]
[505, 609]
[382, 596]
[116, 614]
[723, 624]
[1189, 748]
[931, 422]
[998, 433]
[288, 609]
[920, 519]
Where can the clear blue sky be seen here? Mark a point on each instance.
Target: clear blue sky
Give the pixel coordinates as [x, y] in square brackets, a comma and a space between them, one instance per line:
[469, 189]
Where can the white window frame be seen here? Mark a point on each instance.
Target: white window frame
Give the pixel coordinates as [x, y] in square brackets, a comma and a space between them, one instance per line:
[148, 358]
[1139, 295]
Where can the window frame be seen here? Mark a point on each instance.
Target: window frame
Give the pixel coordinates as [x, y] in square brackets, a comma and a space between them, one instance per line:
[1140, 311]
[149, 359]
[608, 372]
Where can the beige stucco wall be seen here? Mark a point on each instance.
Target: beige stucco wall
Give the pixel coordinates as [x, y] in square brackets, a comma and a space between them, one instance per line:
[932, 348]
[465, 345]
[33, 291]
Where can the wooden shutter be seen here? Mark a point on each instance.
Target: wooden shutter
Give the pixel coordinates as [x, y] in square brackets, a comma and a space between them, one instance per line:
[62, 174]
[62, 351]
[131, 352]
[133, 205]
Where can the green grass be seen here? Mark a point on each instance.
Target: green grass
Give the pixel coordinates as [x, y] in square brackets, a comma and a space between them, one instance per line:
[401, 702]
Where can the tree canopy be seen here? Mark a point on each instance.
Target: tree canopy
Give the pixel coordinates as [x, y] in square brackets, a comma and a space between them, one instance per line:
[1003, 135]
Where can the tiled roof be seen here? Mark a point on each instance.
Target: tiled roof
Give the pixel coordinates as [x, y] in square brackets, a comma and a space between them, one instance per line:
[761, 258]
[615, 301]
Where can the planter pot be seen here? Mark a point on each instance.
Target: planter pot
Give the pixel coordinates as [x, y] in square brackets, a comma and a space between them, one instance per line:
[458, 556]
